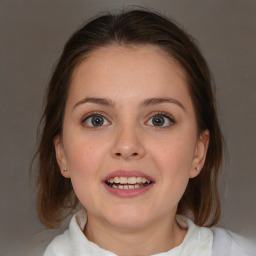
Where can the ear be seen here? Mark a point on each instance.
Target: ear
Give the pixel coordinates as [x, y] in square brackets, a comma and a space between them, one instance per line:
[60, 156]
[200, 153]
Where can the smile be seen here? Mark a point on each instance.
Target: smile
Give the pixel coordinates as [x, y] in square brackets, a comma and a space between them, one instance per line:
[128, 182]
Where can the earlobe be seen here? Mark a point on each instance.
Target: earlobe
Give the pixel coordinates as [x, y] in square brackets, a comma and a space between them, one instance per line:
[200, 153]
[60, 156]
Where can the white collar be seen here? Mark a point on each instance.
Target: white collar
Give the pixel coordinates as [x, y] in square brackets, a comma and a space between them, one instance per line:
[197, 242]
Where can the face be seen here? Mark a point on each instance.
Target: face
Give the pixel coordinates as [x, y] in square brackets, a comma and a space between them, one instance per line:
[130, 140]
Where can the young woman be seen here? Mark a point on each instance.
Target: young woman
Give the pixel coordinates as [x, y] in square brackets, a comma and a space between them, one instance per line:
[130, 131]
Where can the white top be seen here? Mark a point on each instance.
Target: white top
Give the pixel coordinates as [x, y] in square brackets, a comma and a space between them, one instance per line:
[199, 241]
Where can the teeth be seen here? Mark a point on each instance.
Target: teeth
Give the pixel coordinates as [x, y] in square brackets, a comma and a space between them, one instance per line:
[129, 186]
[132, 180]
[123, 180]
[139, 179]
[116, 180]
[129, 180]
[128, 183]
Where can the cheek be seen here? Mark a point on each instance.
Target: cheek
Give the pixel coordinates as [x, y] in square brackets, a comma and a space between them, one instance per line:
[84, 157]
[174, 163]
[173, 158]
[174, 152]
[84, 161]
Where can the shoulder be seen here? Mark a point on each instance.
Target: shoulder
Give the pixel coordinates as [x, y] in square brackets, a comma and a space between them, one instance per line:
[60, 246]
[72, 241]
[227, 243]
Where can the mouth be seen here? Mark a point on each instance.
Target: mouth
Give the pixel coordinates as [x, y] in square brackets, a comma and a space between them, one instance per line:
[121, 182]
[125, 184]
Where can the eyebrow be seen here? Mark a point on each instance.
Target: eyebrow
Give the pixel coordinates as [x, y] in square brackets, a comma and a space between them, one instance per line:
[145, 103]
[155, 101]
[99, 101]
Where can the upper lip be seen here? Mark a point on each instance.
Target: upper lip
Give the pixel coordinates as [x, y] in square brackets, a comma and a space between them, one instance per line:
[127, 173]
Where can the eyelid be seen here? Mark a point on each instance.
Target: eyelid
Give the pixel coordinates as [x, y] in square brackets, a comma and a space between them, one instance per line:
[95, 113]
[164, 114]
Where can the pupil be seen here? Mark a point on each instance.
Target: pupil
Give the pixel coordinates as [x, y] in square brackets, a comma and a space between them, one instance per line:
[158, 120]
[97, 121]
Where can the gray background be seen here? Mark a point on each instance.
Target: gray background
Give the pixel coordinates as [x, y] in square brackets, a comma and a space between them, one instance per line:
[32, 34]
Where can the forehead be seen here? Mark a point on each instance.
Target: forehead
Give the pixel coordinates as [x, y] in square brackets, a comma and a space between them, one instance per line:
[129, 55]
[114, 71]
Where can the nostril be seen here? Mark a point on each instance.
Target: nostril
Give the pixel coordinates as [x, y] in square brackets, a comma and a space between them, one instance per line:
[132, 155]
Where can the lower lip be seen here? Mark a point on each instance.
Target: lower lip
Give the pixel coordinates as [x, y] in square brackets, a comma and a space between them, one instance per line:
[126, 193]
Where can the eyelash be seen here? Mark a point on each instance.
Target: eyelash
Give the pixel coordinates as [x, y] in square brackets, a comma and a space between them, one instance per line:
[100, 114]
[165, 115]
[93, 114]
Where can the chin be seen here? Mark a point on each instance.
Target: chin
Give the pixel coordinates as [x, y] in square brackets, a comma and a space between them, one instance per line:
[128, 218]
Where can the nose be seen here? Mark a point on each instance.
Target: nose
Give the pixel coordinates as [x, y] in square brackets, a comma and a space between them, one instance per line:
[128, 144]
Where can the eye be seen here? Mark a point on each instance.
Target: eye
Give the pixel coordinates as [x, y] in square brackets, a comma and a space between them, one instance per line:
[95, 120]
[160, 120]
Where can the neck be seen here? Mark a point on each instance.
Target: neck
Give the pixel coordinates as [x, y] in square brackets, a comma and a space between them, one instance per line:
[161, 236]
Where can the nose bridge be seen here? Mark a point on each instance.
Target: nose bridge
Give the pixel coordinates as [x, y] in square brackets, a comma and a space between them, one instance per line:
[128, 141]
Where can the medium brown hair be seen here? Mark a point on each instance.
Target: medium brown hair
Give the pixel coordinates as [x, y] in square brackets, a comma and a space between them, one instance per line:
[134, 27]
